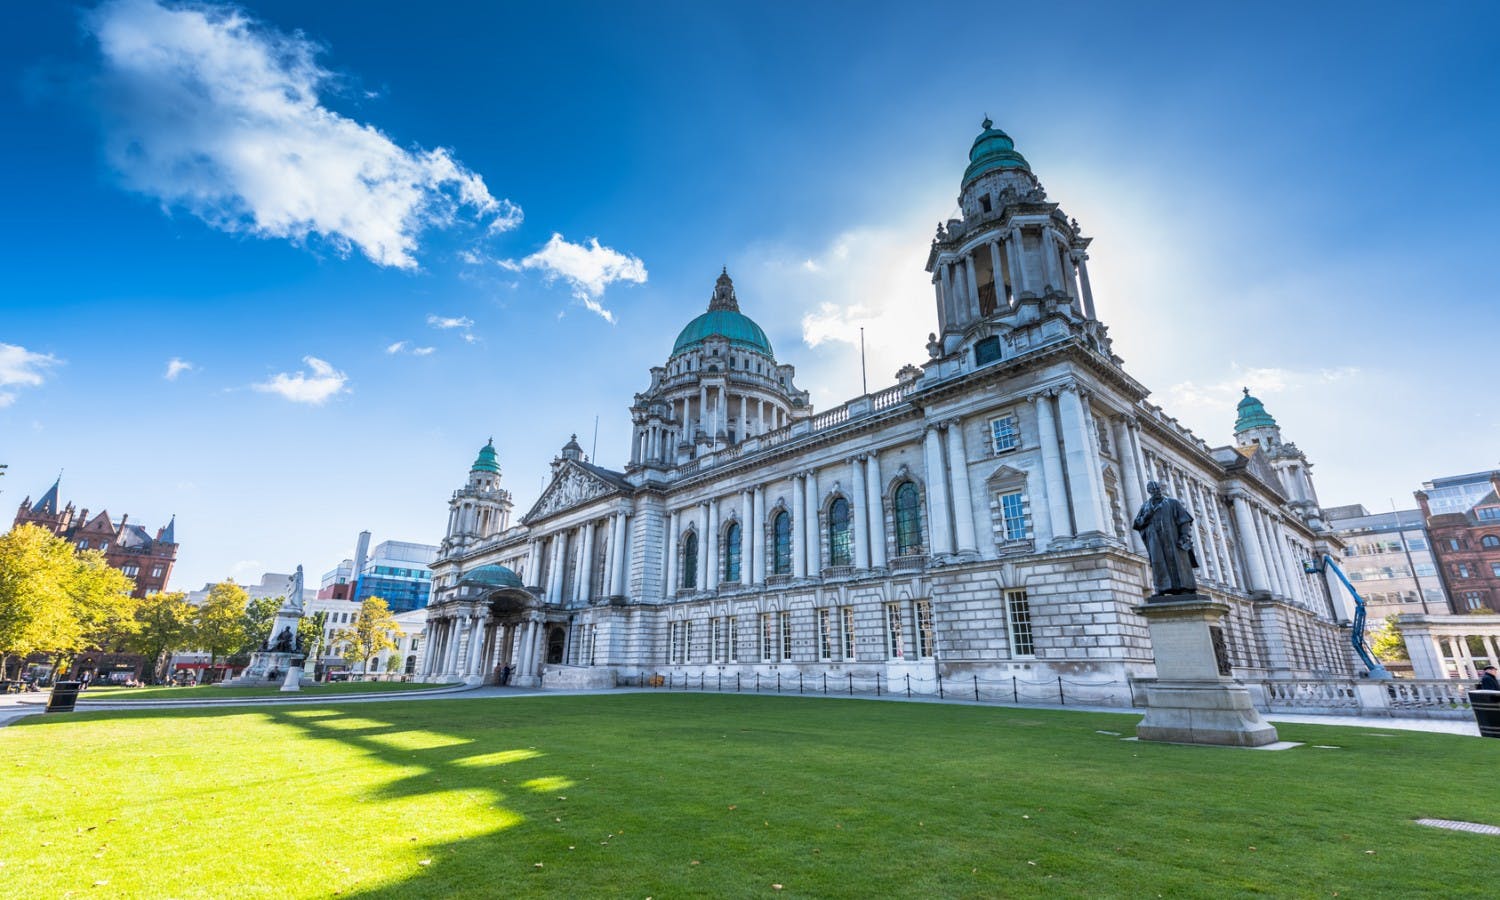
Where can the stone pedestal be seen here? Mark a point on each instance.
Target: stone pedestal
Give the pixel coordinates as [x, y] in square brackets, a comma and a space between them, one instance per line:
[1194, 700]
[293, 680]
[262, 664]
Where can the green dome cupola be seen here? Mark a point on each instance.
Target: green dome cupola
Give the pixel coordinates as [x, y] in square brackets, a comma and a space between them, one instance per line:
[993, 150]
[1252, 414]
[492, 576]
[487, 460]
[723, 320]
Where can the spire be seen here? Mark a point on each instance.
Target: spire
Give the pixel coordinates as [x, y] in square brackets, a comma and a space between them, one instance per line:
[48, 504]
[723, 297]
[168, 535]
[1252, 414]
[487, 461]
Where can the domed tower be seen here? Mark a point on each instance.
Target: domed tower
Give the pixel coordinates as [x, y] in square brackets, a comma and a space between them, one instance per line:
[1254, 427]
[1012, 258]
[480, 509]
[720, 386]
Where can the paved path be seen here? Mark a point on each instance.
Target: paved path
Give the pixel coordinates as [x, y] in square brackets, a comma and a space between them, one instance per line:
[15, 706]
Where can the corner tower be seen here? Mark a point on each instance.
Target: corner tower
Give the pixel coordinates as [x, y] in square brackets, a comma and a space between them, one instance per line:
[1011, 259]
[1254, 427]
[481, 508]
[720, 386]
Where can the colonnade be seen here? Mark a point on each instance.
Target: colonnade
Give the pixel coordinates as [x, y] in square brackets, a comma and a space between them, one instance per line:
[656, 439]
[575, 546]
[1054, 263]
[467, 646]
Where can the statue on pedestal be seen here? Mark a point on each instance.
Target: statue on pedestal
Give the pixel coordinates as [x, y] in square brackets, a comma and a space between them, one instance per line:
[1165, 527]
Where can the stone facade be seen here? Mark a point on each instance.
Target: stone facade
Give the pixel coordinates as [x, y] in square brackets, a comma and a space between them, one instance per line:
[1463, 518]
[972, 520]
[130, 548]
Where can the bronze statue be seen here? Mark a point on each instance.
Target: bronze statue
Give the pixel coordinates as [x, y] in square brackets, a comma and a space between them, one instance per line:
[284, 641]
[1166, 528]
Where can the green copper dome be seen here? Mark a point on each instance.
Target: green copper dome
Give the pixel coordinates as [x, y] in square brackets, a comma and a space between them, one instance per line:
[993, 150]
[724, 320]
[1252, 414]
[492, 576]
[487, 461]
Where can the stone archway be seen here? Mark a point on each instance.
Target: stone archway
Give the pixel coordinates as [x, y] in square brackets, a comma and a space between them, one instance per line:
[557, 640]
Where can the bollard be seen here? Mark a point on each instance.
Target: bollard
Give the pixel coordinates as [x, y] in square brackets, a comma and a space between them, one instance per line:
[851, 684]
[976, 688]
[778, 682]
[877, 684]
[799, 682]
[719, 682]
[940, 685]
[1061, 699]
[908, 687]
[825, 684]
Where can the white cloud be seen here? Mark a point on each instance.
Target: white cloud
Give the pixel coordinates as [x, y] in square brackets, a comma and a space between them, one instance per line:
[588, 269]
[324, 383]
[20, 368]
[210, 111]
[446, 322]
[405, 347]
[1265, 381]
[397, 347]
[422, 351]
[176, 366]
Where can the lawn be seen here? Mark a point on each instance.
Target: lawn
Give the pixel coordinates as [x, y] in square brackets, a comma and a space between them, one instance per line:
[674, 795]
[215, 692]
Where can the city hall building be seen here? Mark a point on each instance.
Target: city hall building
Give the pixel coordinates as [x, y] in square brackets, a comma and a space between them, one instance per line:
[972, 521]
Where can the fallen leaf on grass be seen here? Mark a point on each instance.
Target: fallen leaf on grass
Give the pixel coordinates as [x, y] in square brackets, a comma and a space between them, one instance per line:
[775, 887]
[424, 862]
[101, 882]
[536, 865]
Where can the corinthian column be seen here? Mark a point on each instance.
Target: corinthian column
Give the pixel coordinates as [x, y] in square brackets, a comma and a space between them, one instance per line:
[875, 500]
[1081, 462]
[937, 493]
[963, 503]
[861, 520]
[1052, 473]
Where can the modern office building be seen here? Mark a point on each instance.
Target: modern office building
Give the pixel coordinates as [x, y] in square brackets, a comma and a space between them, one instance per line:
[1388, 557]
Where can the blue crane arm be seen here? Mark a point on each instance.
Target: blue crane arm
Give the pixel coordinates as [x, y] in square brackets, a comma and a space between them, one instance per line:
[1357, 633]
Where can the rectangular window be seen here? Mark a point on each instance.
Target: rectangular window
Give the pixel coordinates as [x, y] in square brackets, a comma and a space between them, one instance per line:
[1416, 543]
[895, 643]
[593, 641]
[1463, 570]
[672, 638]
[687, 641]
[1003, 434]
[1495, 569]
[1018, 610]
[716, 636]
[848, 632]
[83, 545]
[767, 638]
[1013, 508]
[825, 634]
[732, 652]
[416, 644]
[133, 571]
[786, 635]
[1488, 513]
[156, 571]
[926, 636]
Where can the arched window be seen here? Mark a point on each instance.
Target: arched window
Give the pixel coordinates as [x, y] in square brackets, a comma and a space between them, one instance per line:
[908, 519]
[689, 577]
[1489, 540]
[840, 537]
[781, 528]
[732, 552]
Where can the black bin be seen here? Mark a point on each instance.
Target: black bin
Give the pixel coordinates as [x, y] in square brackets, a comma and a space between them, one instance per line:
[65, 694]
[1486, 706]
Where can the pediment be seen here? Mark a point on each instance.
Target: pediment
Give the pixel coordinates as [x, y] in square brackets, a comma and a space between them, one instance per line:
[1260, 467]
[1005, 474]
[572, 486]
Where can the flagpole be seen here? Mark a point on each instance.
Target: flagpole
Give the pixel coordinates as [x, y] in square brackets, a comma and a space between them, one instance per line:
[863, 379]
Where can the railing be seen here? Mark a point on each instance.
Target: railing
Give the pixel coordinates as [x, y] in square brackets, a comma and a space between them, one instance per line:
[1347, 696]
[892, 396]
[1311, 695]
[972, 688]
[836, 416]
[1429, 696]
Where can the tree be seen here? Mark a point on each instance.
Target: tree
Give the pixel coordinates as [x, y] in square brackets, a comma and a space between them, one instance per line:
[164, 624]
[259, 619]
[103, 604]
[1387, 642]
[374, 629]
[310, 635]
[35, 607]
[219, 626]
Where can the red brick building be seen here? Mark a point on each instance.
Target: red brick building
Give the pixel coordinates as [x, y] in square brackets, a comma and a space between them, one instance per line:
[1463, 518]
[130, 548]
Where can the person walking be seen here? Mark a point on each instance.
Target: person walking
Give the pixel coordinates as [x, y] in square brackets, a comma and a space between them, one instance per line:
[1488, 681]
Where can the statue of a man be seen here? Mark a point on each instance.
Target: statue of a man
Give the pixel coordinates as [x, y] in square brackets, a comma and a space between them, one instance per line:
[284, 640]
[1164, 524]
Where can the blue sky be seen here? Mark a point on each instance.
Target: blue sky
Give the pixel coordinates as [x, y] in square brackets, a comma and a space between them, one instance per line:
[374, 235]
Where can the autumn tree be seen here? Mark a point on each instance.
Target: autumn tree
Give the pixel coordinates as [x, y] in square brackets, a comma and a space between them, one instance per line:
[164, 625]
[259, 619]
[219, 626]
[373, 630]
[1387, 642]
[35, 606]
[103, 605]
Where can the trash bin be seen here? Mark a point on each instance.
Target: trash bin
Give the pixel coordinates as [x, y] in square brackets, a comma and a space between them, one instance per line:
[65, 694]
[1486, 706]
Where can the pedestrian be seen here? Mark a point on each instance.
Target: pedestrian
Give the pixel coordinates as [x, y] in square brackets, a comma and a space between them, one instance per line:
[1488, 681]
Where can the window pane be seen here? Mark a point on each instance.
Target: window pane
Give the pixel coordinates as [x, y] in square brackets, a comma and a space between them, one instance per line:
[690, 561]
[1019, 609]
[1013, 506]
[908, 520]
[782, 564]
[1003, 433]
[840, 536]
[732, 553]
[925, 636]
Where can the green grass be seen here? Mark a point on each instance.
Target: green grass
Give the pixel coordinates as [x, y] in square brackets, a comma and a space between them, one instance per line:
[674, 795]
[215, 692]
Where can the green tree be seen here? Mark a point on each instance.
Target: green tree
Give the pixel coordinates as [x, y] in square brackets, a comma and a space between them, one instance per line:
[164, 625]
[1387, 642]
[103, 605]
[36, 610]
[259, 618]
[219, 626]
[310, 636]
[374, 629]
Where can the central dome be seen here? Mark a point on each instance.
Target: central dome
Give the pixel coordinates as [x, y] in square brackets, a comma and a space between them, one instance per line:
[993, 150]
[723, 320]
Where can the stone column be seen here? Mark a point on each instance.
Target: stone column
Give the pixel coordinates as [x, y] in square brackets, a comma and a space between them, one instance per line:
[1249, 541]
[715, 567]
[813, 534]
[674, 523]
[963, 501]
[622, 558]
[945, 296]
[749, 537]
[1083, 281]
[861, 520]
[1013, 251]
[1082, 464]
[586, 570]
[476, 648]
[758, 525]
[875, 501]
[937, 494]
[1221, 537]
[799, 526]
[972, 308]
[1053, 269]
[998, 274]
[1096, 469]
[703, 539]
[1052, 472]
[1272, 557]
[1130, 475]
